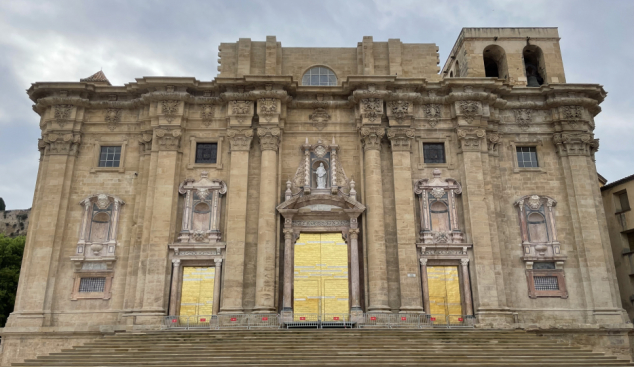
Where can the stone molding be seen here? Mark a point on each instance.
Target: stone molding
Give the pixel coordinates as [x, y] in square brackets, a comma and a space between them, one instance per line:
[401, 138]
[371, 137]
[60, 143]
[168, 139]
[470, 139]
[269, 138]
[240, 139]
[570, 144]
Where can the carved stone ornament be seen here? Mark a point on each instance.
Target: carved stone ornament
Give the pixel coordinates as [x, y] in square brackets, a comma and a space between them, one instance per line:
[534, 202]
[240, 139]
[399, 109]
[315, 155]
[113, 116]
[569, 144]
[269, 138]
[469, 139]
[145, 143]
[493, 141]
[62, 114]
[523, 118]
[371, 137]
[401, 138]
[432, 114]
[572, 112]
[102, 201]
[537, 226]
[169, 109]
[469, 110]
[207, 112]
[61, 143]
[268, 108]
[168, 139]
[201, 209]
[241, 109]
[438, 212]
[372, 109]
[319, 118]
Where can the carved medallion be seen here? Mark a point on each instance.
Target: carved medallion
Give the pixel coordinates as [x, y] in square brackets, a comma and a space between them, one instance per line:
[438, 192]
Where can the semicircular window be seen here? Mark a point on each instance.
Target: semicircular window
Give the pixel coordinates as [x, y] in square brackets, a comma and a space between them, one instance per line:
[319, 76]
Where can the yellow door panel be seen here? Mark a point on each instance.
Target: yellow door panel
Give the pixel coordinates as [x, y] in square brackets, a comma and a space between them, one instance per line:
[444, 292]
[197, 292]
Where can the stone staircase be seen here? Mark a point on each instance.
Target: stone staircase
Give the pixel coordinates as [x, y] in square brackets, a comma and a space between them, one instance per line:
[328, 347]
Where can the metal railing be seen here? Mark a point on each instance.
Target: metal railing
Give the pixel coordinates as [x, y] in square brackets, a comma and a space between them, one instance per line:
[224, 321]
[315, 320]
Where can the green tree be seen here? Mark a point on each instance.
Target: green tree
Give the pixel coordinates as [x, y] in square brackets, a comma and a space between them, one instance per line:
[2, 205]
[11, 250]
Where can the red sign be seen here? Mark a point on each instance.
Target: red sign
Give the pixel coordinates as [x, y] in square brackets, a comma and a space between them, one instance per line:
[234, 319]
[433, 319]
[460, 319]
[403, 318]
[336, 318]
[203, 320]
[265, 319]
[302, 318]
[174, 320]
[373, 318]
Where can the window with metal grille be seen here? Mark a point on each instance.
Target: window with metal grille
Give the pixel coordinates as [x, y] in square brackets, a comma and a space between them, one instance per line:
[319, 76]
[434, 153]
[110, 156]
[527, 157]
[90, 285]
[546, 283]
[206, 152]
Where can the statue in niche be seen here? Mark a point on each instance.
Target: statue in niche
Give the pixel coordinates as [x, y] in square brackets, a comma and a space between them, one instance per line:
[321, 176]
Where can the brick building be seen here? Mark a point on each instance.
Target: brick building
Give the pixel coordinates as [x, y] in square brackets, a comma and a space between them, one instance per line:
[352, 181]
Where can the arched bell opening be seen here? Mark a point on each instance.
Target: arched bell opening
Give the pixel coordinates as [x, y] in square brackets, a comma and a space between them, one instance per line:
[535, 66]
[494, 59]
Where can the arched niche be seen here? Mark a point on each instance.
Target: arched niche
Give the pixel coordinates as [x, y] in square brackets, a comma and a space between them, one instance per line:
[534, 66]
[495, 65]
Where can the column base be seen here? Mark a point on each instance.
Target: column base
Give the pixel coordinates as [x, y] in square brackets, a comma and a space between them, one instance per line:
[379, 309]
[229, 310]
[258, 310]
[411, 309]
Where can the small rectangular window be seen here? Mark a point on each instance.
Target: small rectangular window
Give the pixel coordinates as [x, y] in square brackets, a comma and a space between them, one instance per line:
[527, 157]
[434, 153]
[91, 285]
[110, 156]
[622, 202]
[206, 152]
[546, 283]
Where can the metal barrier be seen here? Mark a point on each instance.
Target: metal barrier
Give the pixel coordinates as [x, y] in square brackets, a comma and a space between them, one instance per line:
[225, 321]
[449, 321]
[391, 321]
[335, 320]
[264, 321]
[302, 320]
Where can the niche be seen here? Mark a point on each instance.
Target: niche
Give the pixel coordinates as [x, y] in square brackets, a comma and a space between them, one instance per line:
[534, 65]
[495, 65]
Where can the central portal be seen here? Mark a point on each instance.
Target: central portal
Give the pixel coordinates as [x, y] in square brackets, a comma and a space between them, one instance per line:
[321, 274]
[444, 292]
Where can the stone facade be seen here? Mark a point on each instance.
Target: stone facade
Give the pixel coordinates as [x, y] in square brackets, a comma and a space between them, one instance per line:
[529, 243]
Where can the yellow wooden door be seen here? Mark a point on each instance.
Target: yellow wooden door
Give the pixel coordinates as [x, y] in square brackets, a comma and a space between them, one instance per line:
[444, 293]
[197, 292]
[320, 275]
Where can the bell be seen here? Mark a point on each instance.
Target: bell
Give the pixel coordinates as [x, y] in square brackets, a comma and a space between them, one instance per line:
[532, 81]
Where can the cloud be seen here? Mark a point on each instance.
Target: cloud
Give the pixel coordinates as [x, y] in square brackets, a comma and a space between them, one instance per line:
[66, 40]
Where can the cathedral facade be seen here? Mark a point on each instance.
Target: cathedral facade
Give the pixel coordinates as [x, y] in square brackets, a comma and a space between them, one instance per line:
[358, 182]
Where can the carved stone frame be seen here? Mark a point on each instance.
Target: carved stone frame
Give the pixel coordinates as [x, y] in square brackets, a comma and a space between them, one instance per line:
[97, 152]
[193, 140]
[562, 292]
[106, 294]
[447, 139]
[540, 155]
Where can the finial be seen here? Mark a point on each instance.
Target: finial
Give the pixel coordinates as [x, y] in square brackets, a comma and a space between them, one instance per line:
[288, 194]
[333, 140]
[307, 141]
[436, 172]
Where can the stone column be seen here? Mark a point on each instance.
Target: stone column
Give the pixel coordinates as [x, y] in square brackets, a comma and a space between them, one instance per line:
[217, 285]
[355, 304]
[377, 265]
[176, 273]
[400, 138]
[265, 269]
[425, 283]
[466, 287]
[473, 144]
[164, 202]
[42, 250]
[288, 270]
[240, 140]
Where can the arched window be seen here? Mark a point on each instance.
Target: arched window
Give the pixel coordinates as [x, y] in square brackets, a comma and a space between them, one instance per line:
[494, 59]
[319, 76]
[534, 65]
[457, 69]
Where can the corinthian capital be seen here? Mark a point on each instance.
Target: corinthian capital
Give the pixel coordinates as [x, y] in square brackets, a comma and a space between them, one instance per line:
[66, 143]
[168, 139]
[371, 137]
[401, 138]
[269, 138]
[470, 139]
[575, 144]
[240, 139]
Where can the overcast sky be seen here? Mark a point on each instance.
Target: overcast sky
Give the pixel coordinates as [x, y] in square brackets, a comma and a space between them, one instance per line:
[68, 40]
